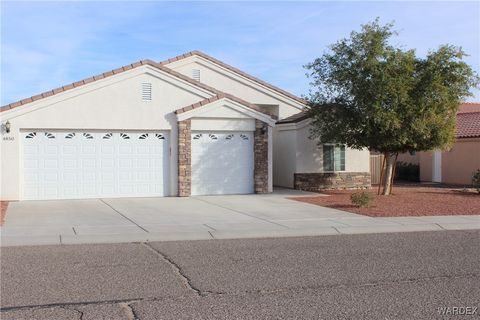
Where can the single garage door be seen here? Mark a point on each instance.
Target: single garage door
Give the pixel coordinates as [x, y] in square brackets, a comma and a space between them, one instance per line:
[222, 163]
[76, 165]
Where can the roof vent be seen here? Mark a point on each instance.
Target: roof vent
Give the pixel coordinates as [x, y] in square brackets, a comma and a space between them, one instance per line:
[196, 74]
[146, 91]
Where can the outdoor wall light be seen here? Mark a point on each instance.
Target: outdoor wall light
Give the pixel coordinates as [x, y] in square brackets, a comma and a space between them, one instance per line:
[264, 128]
[7, 126]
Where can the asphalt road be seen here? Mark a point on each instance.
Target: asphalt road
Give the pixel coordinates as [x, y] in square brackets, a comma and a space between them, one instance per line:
[379, 276]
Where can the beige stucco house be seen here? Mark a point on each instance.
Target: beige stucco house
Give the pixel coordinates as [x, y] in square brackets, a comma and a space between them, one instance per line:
[191, 125]
[456, 165]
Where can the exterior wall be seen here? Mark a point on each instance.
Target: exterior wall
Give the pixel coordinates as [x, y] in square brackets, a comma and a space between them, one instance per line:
[228, 81]
[426, 162]
[332, 180]
[284, 157]
[260, 151]
[295, 153]
[109, 104]
[184, 158]
[357, 160]
[459, 164]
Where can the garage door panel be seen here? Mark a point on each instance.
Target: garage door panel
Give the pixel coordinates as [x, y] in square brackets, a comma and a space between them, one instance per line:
[66, 165]
[222, 163]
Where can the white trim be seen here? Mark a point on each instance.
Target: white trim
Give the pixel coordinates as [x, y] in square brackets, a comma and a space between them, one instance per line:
[203, 110]
[293, 125]
[97, 84]
[270, 159]
[437, 166]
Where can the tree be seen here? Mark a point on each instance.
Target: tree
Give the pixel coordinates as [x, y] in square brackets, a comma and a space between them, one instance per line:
[367, 93]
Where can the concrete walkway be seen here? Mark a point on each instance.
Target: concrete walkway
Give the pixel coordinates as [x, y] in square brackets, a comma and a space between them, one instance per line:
[197, 218]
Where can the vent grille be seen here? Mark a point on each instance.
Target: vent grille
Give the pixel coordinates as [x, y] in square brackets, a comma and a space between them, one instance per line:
[146, 91]
[196, 74]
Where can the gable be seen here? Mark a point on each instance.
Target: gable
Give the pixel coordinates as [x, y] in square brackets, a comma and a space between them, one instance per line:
[112, 103]
[233, 81]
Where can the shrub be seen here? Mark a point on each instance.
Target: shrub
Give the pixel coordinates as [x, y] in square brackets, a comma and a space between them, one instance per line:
[361, 199]
[407, 171]
[476, 180]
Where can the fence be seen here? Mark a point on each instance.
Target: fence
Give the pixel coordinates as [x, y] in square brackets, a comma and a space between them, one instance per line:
[376, 167]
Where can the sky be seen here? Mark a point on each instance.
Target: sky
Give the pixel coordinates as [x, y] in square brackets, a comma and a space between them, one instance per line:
[45, 45]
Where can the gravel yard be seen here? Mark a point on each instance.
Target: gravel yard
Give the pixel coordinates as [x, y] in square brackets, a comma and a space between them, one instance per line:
[406, 200]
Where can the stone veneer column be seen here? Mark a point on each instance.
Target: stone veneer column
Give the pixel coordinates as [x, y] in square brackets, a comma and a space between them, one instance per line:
[184, 158]
[260, 151]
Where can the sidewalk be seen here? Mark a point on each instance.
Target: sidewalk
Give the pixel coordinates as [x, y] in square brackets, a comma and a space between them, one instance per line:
[198, 218]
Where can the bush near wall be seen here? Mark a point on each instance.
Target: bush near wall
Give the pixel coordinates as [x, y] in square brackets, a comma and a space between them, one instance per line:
[407, 171]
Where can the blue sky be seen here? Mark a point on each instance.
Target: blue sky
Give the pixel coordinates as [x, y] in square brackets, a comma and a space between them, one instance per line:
[48, 44]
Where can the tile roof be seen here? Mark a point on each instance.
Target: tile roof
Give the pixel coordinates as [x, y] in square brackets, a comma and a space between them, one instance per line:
[111, 73]
[219, 96]
[76, 84]
[231, 68]
[468, 125]
[467, 107]
[152, 63]
[297, 117]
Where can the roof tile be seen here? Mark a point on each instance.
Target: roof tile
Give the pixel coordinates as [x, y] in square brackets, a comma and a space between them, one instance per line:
[68, 87]
[26, 100]
[468, 125]
[78, 83]
[37, 97]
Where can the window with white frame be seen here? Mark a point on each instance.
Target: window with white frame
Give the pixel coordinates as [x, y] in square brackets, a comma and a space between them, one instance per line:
[333, 157]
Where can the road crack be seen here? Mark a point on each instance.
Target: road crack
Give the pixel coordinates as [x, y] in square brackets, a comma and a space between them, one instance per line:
[70, 308]
[187, 282]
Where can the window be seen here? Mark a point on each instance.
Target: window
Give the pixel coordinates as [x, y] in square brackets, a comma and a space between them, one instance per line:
[146, 91]
[333, 157]
[196, 74]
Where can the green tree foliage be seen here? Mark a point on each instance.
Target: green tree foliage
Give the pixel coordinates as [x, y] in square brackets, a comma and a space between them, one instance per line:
[367, 93]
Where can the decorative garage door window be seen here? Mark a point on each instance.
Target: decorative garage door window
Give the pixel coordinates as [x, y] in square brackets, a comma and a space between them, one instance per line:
[222, 163]
[69, 165]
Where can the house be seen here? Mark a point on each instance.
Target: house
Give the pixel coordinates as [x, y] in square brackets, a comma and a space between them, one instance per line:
[191, 125]
[303, 164]
[456, 165]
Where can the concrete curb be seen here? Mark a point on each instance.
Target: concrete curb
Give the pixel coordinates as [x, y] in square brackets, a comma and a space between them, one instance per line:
[12, 241]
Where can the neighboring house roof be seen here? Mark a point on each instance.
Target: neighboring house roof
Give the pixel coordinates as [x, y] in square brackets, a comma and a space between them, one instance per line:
[468, 107]
[468, 125]
[297, 117]
[233, 69]
[221, 96]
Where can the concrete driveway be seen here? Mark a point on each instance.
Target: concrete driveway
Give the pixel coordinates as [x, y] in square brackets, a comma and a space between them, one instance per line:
[193, 218]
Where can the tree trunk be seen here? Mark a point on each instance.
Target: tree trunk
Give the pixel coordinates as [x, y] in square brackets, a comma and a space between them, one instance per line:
[388, 176]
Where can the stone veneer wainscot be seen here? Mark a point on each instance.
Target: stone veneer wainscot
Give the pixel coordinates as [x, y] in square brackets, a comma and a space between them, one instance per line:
[332, 180]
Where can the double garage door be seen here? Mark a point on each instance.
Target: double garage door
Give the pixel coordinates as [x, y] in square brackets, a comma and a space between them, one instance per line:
[80, 164]
[75, 165]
